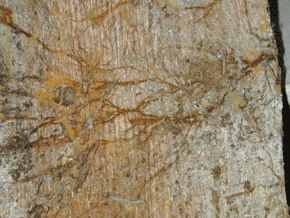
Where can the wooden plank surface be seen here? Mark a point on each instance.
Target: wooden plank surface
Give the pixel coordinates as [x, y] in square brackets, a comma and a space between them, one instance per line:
[139, 109]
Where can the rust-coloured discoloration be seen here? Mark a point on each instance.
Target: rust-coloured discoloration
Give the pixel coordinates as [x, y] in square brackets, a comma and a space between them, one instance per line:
[132, 106]
[6, 15]
[7, 18]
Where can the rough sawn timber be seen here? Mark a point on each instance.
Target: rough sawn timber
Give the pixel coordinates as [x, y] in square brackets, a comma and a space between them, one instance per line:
[168, 108]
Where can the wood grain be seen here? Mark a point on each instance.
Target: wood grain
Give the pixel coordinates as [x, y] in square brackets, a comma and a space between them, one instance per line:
[139, 109]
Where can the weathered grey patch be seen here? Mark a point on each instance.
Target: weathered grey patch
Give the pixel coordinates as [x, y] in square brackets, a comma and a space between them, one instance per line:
[68, 96]
[57, 94]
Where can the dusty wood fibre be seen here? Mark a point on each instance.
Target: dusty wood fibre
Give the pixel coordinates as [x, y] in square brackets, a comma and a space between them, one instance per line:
[139, 109]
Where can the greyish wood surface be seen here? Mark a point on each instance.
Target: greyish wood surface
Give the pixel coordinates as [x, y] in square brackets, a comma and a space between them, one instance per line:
[139, 109]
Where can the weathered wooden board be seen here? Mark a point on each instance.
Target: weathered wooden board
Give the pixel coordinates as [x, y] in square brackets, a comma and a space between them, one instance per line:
[168, 108]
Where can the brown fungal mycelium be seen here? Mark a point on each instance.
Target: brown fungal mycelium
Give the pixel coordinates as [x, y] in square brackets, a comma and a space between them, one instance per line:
[172, 108]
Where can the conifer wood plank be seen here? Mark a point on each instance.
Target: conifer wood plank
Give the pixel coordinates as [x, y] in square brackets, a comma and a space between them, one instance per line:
[167, 108]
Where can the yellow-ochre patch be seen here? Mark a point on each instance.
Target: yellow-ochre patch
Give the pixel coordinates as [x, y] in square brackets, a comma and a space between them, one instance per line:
[2, 116]
[46, 95]
[251, 55]
[264, 27]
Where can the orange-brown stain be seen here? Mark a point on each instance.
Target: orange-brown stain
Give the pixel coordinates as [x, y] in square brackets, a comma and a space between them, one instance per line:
[2, 116]
[264, 27]
[7, 16]
[265, 22]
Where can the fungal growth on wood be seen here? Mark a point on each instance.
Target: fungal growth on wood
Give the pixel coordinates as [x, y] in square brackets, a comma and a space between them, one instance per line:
[153, 102]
